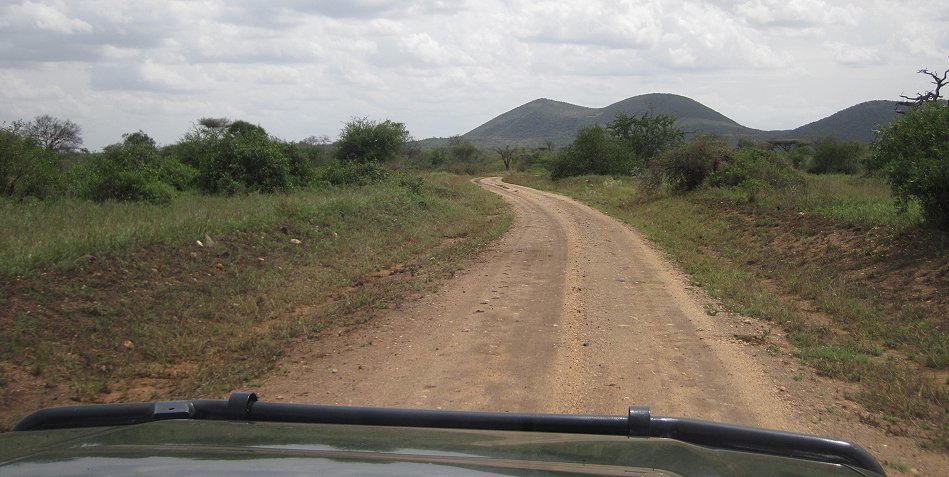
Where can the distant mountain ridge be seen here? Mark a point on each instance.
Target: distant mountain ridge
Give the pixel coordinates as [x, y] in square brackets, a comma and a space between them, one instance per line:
[534, 123]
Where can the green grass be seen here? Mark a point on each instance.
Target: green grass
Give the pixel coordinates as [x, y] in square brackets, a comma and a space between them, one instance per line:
[727, 246]
[128, 300]
[56, 233]
[857, 200]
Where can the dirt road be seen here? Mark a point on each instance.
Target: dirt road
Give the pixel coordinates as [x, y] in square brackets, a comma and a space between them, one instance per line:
[570, 312]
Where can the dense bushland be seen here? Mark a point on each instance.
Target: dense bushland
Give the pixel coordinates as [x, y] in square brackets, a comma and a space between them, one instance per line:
[835, 157]
[594, 151]
[218, 156]
[625, 146]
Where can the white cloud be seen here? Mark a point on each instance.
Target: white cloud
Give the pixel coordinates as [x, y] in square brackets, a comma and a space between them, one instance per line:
[302, 67]
[51, 18]
[602, 23]
[711, 38]
[796, 13]
[16, 88]
[850, 55]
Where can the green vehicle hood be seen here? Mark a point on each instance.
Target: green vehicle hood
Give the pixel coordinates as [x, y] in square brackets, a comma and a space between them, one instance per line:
[190, 447]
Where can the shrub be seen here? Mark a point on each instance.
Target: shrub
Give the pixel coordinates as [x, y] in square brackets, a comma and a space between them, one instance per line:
[190, 149]
[438, 156]
[127, 185]
[462, 149]
[765, 167]
[685, 167]
[135, 170]
[362, 140]
[246, 159]
[831, 156]
[647, 135]
[531, 159]
[913, 154]
[593, 151]
[352, 173]
[799, 155]
[301, 164]
[26, 168]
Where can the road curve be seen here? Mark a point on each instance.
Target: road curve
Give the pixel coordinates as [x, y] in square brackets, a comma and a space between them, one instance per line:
[571, 311]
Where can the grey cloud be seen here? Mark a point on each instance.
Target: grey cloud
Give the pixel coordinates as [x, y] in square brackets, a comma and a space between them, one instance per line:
[128, 78]
[287, 11]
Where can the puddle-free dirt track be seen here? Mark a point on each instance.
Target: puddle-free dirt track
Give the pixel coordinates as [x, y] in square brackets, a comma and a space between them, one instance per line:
[574, 312]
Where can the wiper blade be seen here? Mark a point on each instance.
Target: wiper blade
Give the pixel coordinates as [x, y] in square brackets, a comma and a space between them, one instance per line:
[637, 423]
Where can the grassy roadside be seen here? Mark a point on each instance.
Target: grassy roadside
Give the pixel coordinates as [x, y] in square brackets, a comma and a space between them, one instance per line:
[115, 304]
[860, 291]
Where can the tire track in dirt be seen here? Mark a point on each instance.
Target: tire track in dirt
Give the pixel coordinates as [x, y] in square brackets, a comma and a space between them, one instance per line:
[571, 311]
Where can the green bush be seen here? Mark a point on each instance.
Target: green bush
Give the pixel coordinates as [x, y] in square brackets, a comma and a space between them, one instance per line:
[26, 168]
[195, 145]
[799, 155]
[246, 159]
[352, 173]
[301, 164]
[913, 154]
[533, 159]
[135, 170]
[647, 135]
[365, 141]
[687, 166]
[129, 186]
[438, 156]
[832, 157]
[462, 149]
[765, 167]
[594, 151]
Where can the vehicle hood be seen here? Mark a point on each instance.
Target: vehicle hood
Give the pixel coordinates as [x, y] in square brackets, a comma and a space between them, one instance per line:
[189, 447]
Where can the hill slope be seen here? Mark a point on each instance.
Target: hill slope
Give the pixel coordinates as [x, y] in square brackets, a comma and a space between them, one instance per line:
[855, 123]
[534, 123]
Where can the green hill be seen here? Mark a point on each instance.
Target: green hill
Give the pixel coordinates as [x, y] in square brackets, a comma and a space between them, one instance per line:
[533, 123]
[538, 121]
[855, 123]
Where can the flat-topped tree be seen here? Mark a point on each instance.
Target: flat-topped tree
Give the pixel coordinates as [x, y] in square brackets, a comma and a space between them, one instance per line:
[786, 144]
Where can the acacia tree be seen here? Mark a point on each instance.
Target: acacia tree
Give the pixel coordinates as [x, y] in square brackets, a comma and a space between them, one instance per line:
[507, 154]
[215, 125]
[785, 145]
[54, 134]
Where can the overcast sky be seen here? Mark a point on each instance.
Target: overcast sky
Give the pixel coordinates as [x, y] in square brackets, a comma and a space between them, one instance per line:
[301, 68]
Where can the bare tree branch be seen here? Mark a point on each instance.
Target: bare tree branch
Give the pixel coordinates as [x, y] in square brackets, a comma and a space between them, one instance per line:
[934, 95]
